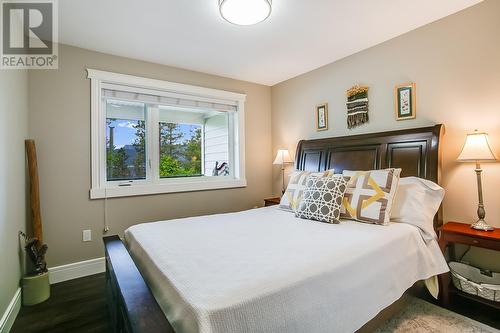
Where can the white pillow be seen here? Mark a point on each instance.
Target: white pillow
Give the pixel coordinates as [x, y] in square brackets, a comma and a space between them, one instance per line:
[417, 202]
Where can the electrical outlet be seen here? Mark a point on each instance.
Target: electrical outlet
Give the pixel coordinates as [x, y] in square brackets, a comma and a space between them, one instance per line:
[87, 235]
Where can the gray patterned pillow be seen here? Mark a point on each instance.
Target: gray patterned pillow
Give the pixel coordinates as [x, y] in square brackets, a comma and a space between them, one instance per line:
[322, 199]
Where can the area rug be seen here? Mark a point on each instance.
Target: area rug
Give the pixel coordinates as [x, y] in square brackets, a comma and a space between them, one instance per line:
[419, 316]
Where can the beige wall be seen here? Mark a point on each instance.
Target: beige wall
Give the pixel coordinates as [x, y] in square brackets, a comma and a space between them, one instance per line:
[59, 103]
[13, 131]
[455, 63]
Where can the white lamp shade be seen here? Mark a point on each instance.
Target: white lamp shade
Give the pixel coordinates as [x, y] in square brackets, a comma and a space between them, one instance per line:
[476, 148]
[282, 157]
[245, 12]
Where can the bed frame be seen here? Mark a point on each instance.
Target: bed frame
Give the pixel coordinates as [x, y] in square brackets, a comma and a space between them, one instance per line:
[417, 151]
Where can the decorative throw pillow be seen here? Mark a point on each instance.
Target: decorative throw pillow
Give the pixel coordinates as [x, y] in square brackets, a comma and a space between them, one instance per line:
[295, 189]
[369, 195]
[322, 198]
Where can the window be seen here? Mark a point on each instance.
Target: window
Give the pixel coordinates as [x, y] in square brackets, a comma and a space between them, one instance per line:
[151, 136]
[125, 140]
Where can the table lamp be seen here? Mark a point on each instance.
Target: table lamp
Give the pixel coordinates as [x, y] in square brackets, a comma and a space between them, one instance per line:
[477, 149]
[282, 157]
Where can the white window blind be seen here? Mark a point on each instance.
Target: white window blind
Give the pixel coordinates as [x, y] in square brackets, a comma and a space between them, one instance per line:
[166, 98]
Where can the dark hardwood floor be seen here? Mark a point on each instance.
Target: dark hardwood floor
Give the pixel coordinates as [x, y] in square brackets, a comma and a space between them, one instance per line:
[79, 306]
[75, 306]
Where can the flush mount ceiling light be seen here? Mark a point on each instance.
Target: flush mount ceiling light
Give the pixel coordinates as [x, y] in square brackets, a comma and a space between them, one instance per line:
[245, 12]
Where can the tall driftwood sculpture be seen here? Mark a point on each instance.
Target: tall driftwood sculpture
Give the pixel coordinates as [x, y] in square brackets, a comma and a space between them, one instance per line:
[36, 217]
[35, 284]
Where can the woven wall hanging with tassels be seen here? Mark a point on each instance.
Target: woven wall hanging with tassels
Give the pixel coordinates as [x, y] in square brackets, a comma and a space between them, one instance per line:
[357, 106]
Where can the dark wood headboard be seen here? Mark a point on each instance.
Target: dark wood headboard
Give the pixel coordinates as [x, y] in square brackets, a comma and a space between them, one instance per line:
[416, 151]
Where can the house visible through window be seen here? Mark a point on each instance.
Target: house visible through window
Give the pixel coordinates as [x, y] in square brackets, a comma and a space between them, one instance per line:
[193, 143]
[156, 141]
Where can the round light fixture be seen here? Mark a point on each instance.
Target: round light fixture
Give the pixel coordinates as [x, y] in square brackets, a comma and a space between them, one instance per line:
[245, 12]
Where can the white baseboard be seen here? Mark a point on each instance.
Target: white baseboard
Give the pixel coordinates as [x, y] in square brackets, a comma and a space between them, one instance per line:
[11, 312]
[76, 270]
[56, 274]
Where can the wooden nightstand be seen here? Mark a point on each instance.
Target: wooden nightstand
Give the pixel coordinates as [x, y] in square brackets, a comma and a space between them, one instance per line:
[272, 201]
[461, 233]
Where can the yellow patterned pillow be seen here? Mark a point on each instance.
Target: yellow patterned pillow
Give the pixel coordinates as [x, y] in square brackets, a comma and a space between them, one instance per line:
[296, 186]
[370, 195]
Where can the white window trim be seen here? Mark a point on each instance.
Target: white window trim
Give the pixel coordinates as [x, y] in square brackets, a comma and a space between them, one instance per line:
[100, 187]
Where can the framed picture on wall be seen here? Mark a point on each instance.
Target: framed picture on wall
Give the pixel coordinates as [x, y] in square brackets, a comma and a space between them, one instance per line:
[322, 117]
[405, 101]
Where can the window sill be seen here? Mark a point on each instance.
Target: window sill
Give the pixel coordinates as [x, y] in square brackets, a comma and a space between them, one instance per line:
[174, 187]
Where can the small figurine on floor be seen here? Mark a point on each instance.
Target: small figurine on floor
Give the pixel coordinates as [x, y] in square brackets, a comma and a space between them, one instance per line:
[36, 252]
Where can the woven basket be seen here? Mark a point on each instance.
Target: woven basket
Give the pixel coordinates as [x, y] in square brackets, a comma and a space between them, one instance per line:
[471, 280]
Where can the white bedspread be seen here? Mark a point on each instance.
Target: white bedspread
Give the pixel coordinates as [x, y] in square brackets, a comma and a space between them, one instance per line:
[264, 270]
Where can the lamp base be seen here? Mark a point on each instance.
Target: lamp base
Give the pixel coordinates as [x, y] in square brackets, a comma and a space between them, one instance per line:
[482, 225]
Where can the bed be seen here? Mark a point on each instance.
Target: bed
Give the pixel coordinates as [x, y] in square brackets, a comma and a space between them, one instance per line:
[264, 270]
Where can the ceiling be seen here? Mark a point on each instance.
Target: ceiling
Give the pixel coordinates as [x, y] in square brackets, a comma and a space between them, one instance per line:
[299, 36]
